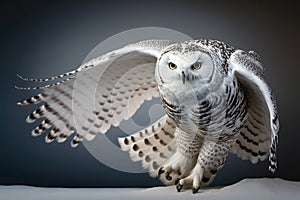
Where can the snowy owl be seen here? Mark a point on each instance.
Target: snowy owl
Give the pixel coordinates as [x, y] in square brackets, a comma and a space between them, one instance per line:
[214, 97]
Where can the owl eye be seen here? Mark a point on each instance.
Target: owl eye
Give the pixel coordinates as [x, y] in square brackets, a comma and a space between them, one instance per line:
[172, 66]
[196, 66]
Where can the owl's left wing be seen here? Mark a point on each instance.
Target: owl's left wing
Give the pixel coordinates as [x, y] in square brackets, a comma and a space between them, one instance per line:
[258, 137]
[100, 93]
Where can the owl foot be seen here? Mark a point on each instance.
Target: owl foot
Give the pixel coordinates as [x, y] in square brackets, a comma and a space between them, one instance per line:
[177, 166]
[179, 187]
[168, 174]
[195, 178]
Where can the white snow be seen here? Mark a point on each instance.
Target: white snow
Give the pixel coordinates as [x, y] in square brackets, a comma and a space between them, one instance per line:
[264, 188]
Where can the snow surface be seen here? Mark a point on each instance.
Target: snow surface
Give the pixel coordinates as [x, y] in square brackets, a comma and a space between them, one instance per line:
[264, 188]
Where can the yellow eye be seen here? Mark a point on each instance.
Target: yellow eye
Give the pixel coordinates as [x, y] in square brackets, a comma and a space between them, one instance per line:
[172, 66]
[196, 66]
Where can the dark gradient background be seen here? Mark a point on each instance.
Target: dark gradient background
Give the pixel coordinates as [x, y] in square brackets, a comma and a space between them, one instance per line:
[41, 39]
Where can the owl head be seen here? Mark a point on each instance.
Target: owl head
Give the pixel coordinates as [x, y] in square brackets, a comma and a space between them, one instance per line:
[181, 65]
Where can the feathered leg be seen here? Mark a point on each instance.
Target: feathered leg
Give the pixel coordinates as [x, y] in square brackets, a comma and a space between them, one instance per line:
[184, 159]
[211, 158]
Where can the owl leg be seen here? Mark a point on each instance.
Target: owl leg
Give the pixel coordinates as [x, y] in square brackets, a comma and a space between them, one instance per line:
[184, 159]
[211, 158]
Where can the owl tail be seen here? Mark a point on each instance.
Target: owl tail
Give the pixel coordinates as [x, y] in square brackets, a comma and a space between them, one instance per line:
[153, 145]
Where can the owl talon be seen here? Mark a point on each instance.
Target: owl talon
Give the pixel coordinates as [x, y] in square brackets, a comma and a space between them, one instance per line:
[160, 171]
[179, 187]
[195, 190]
[168, 177]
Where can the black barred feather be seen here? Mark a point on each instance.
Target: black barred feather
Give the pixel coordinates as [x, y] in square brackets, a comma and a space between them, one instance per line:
[52, 135]
[272, 157]
[125, 85]
[76, 140]
[48, 79]
[256, 139]
[123, 90]
[153, 145]
[45, 86]
[33, 100]
[38, 113]
[54, 110]
[44, 125]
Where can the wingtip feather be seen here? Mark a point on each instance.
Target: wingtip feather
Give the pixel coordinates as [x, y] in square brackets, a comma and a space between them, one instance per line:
[124, 146]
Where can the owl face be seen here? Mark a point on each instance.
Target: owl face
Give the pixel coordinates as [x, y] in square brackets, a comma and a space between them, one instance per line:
[185, 67]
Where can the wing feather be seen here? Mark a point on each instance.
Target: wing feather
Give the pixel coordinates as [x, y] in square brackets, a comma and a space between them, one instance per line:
[258, 137]
[152, 145]
[100, 93]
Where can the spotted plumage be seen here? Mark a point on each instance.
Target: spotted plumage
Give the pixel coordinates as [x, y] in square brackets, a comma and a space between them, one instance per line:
[214, 96]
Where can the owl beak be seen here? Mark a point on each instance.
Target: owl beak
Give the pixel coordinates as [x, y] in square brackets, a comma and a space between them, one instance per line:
[183, 77]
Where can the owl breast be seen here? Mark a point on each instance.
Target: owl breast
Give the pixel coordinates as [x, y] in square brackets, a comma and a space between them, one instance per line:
[219, 113]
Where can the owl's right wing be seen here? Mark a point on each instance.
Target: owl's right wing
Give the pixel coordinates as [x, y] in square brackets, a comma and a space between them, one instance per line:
[258, 136]
[100, 93]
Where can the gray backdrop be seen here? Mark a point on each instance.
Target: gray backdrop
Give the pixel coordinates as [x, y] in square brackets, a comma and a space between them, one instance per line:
[41, 39]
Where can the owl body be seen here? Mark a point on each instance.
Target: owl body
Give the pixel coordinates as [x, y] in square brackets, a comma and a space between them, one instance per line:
[214, 96]
[195, 105]
[205, 113]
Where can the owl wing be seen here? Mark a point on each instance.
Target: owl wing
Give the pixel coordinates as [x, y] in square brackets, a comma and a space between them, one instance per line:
[100, 93]
[258, 137]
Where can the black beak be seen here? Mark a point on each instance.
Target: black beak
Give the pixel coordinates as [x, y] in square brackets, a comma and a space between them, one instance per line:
[183, 77]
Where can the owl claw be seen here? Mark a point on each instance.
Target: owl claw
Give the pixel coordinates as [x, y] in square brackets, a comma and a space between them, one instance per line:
[195, 178]
[168, 177]
[195, 190]
[179, 187]
[160, 171]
